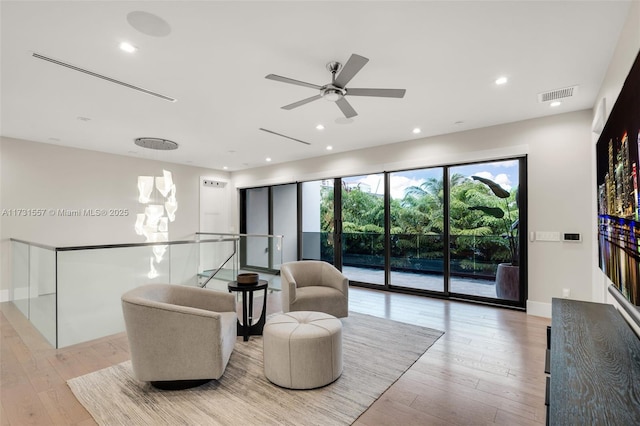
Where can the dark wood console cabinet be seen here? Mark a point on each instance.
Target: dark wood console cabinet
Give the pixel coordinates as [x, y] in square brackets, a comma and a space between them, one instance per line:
[595, 366]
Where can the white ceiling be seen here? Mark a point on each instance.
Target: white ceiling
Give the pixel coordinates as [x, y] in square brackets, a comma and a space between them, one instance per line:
[447, 56]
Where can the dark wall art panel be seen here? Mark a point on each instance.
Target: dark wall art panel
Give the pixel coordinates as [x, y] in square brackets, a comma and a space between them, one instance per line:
[618, 167]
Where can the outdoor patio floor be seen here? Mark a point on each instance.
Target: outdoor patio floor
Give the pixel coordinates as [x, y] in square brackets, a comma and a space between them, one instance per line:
[469, 286]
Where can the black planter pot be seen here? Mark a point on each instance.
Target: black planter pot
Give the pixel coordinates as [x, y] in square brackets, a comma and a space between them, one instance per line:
[508, 282]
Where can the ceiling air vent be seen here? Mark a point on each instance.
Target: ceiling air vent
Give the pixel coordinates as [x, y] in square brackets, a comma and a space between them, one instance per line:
[104, 77]
[554, 95]
[284, 136]
[156, 143]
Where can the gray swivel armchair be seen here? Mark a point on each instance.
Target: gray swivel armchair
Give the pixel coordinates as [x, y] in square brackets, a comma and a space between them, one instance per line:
[179, 336]
[312, 285]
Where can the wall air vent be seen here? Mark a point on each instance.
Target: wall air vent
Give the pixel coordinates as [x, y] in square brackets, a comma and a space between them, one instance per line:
[554, 95]
[103, 77]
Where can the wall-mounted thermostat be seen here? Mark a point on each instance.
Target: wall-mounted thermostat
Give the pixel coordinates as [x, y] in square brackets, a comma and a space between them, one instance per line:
[571, 237]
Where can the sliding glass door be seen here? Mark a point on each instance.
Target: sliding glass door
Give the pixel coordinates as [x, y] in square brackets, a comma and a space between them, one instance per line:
[363, 225]
[269, 211]
[284, 220]
[417, 229]
[317, 221]
[257, 223]
[484, 230]
[452, 231]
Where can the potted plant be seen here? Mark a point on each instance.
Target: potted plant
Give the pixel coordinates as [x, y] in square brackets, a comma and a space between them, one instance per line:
[508, 274]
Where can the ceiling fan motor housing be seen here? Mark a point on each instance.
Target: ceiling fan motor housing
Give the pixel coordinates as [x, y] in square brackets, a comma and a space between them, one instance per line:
[332, 93]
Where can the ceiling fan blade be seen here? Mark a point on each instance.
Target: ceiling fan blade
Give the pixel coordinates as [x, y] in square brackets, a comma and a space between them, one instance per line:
[383, 93]
[292, 81]
[350, 69]
[346, 108]
[302, 102]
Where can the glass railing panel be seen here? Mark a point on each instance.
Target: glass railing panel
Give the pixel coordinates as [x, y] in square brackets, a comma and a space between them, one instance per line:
[256, 251]
[277, 252]
[275, 282]
[90, 284]
[474, 262]
[417, 261]
[20, 276]
[363, 257]
[262, 254]
[79, 288]
[219, 256]
[183, 262]
[318, 246]
[477, 256]
[42, 291]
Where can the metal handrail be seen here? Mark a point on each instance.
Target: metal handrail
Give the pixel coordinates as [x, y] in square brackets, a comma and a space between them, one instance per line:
[122, 245]
[219, 268]
[240, 235]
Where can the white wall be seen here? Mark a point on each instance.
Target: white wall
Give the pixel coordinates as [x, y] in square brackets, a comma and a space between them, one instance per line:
[44, 176]
[214, 206]
[626, 51]
[559, 182]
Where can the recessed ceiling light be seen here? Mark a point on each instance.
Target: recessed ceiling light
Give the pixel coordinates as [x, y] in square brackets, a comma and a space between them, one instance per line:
[225, 168]
[320, 127]
[329, 147]
[84, 118]
[416, 130]
[128, 47]
[501, 80]
[555, 104]
[459, 122]
[268, 159]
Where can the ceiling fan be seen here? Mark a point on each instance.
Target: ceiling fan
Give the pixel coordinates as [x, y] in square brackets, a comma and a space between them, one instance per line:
[337, 90]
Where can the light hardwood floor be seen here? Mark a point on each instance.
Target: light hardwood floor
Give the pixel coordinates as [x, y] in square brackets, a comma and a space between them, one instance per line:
[487, 369]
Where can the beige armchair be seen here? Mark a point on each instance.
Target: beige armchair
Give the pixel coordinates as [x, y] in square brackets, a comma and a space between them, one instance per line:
[179, 336]
[312, 285]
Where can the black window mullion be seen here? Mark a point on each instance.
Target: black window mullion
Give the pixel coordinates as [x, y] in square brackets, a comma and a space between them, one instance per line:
[337, 223]
[270, 225]
[387, 229]
[299, 220]
[446, 228]
[523, 230]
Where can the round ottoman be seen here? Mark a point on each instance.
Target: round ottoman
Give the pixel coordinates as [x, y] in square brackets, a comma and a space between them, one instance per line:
[302, 350]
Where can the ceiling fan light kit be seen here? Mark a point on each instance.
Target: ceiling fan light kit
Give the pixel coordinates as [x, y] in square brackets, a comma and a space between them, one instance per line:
[336, 91]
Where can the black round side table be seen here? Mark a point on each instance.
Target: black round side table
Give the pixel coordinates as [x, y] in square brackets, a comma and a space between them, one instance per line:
[247, 329]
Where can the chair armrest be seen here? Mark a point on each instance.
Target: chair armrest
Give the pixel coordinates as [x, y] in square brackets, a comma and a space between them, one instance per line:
[289, 285]
[332, 277]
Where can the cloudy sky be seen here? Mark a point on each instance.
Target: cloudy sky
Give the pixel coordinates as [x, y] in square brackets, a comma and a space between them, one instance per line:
[505, 173]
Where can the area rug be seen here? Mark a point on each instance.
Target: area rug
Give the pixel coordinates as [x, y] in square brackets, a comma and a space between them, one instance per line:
[376, 353]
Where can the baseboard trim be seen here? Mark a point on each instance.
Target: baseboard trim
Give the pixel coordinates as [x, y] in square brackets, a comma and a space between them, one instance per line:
[539, 309]
[4, 296]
